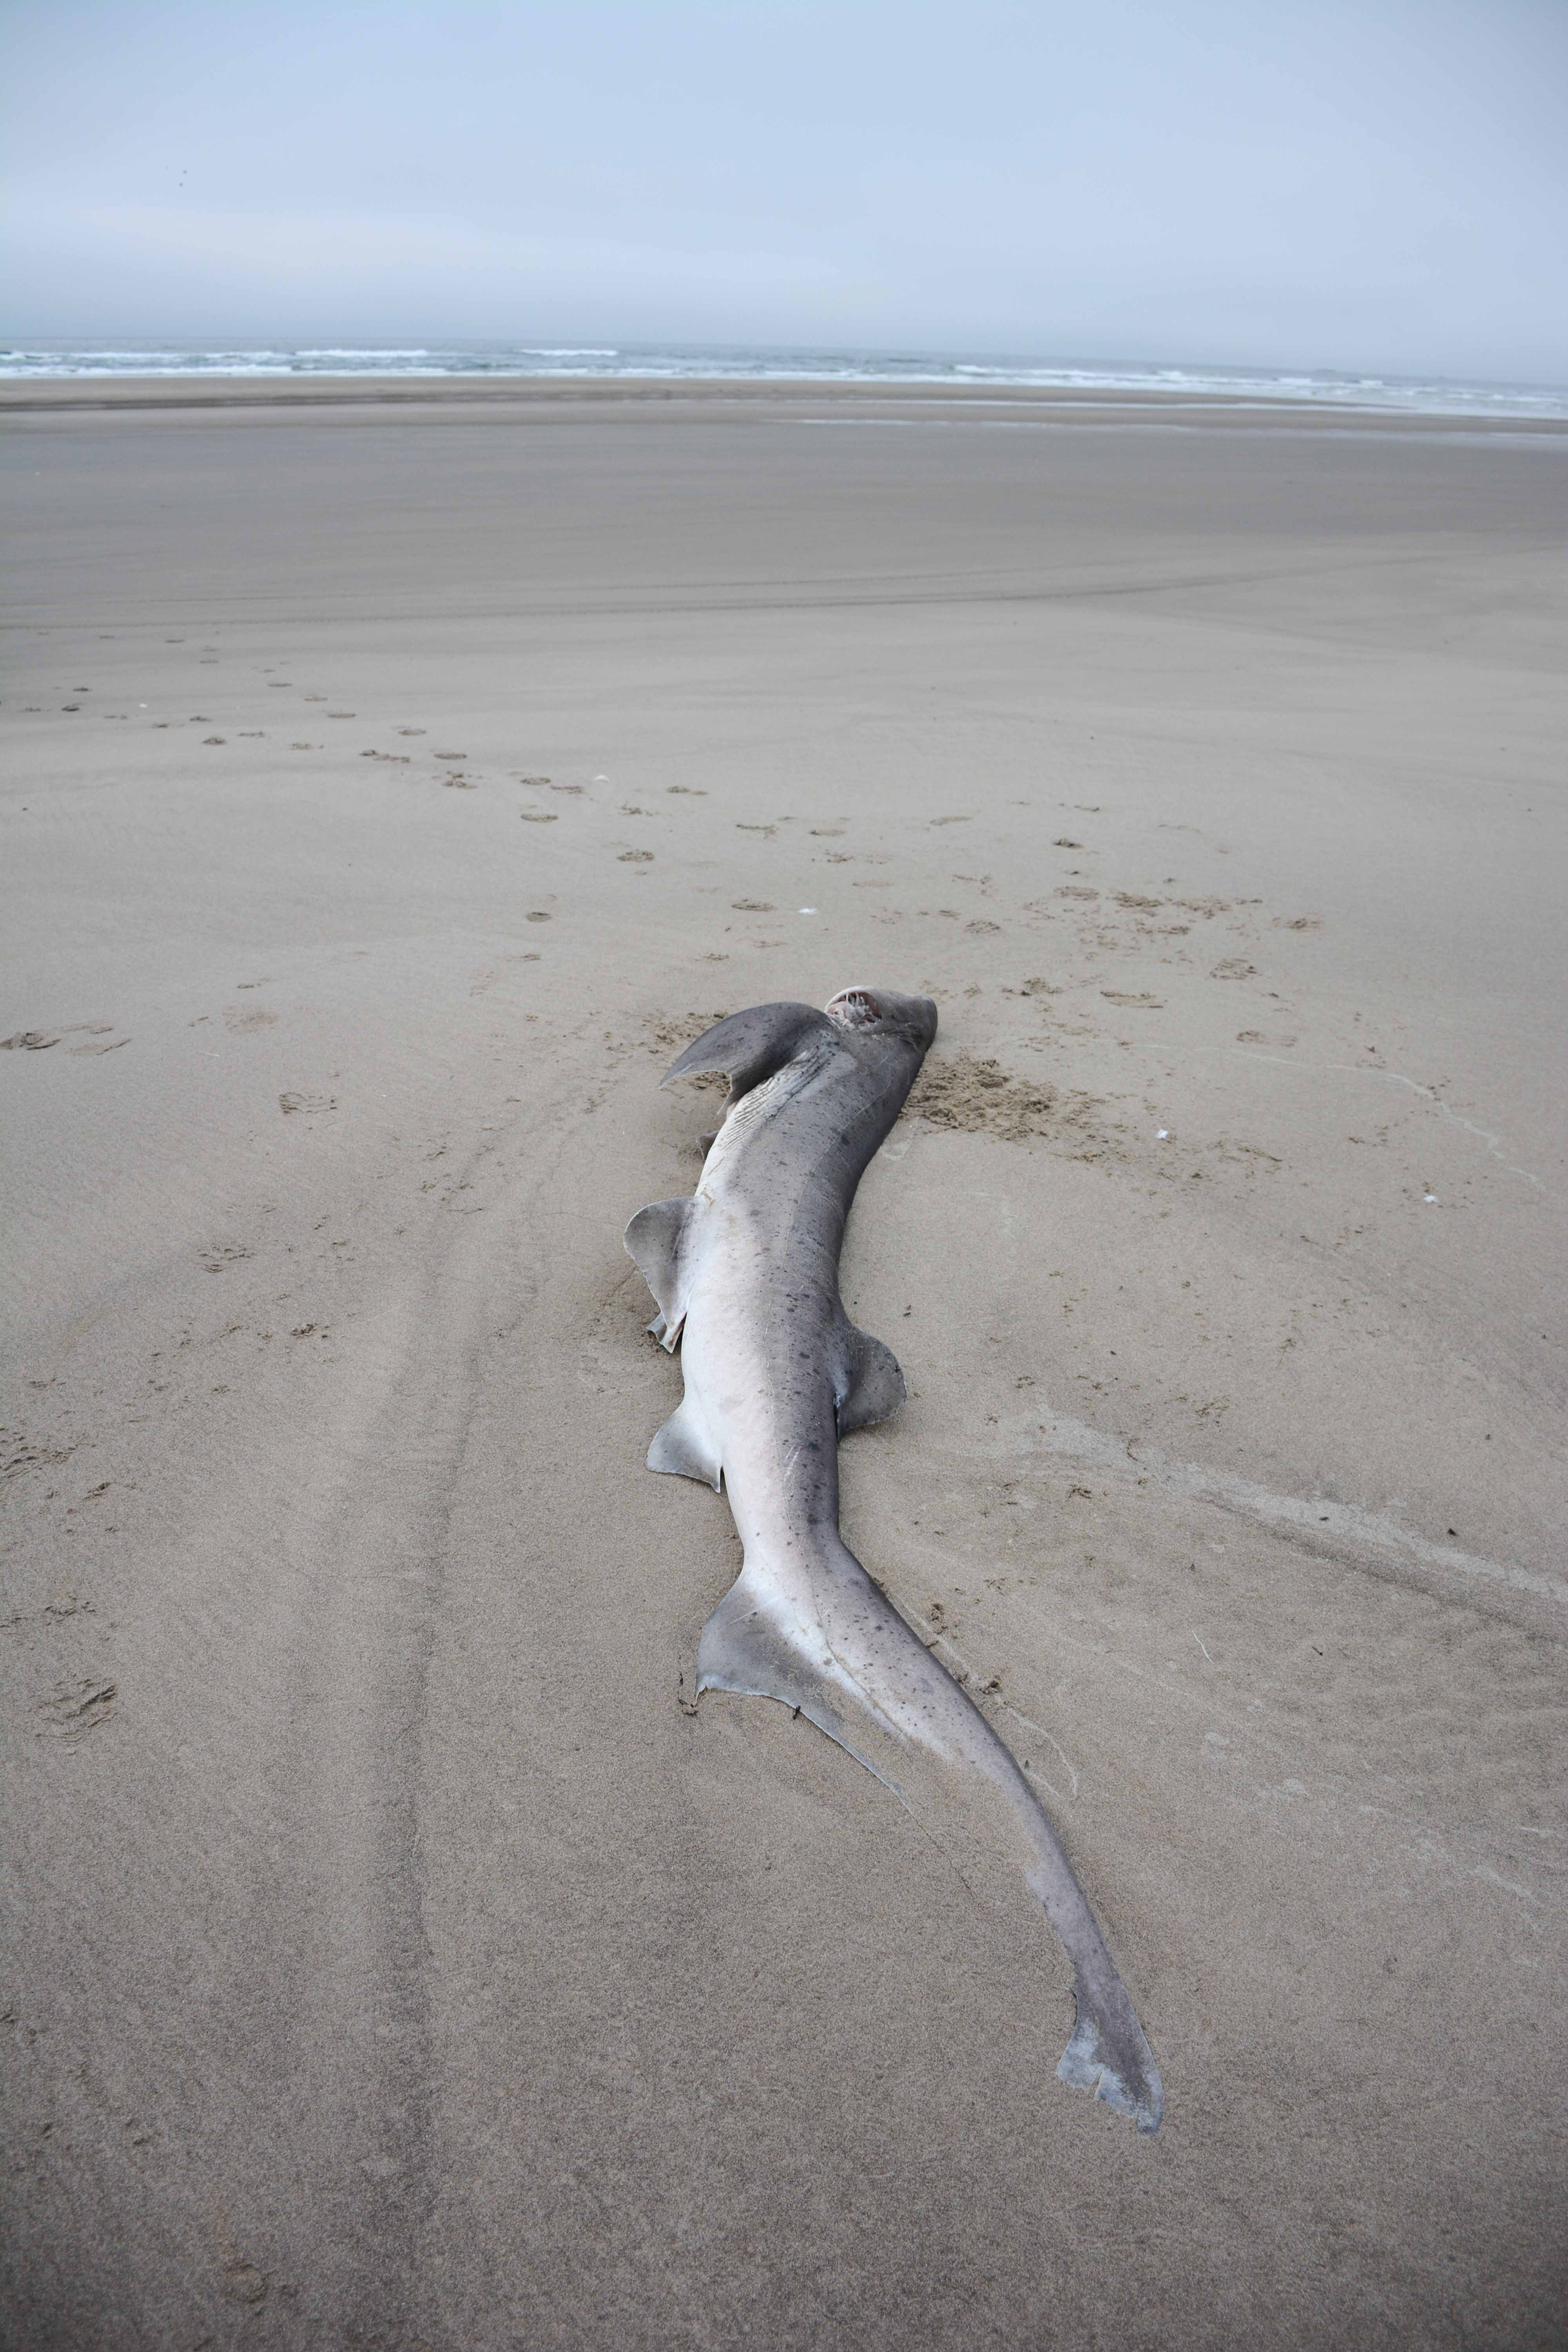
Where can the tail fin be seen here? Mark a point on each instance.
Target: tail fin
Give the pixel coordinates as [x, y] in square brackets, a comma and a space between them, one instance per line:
[839, 1653]
[1109, 2057]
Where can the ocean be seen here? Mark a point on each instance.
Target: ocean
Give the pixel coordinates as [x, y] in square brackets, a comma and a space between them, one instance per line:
[607, 362]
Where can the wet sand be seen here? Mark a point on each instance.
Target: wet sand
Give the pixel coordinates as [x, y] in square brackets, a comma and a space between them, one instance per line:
[393, 785]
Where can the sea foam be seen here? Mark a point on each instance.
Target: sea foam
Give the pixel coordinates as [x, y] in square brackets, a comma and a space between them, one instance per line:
[768, 364]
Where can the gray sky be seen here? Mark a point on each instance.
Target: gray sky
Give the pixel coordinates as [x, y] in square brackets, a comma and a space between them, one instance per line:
[1374, 186]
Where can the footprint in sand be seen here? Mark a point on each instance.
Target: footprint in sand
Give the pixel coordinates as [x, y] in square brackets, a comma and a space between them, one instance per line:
[291, 1102]
[72, 1714]
[242, 1020]
[537, 816]
[226, 1254]
[29, 1041]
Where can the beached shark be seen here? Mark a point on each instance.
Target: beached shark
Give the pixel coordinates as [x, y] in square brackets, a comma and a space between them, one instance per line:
[745, 1277]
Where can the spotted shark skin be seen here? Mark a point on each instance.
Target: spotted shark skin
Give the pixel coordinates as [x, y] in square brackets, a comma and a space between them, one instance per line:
[745, 1277]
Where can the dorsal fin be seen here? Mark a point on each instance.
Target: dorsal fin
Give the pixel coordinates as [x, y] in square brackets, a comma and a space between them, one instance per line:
[875, 1383]
[653, 1244]
[750, 1047]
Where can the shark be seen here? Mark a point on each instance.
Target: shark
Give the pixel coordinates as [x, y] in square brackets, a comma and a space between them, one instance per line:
[744, 1276]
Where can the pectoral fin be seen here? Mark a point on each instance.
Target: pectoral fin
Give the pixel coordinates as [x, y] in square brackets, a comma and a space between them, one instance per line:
[750, 1047]
[875, 1383]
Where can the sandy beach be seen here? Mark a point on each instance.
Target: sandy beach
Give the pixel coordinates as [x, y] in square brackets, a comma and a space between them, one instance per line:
[395, 780]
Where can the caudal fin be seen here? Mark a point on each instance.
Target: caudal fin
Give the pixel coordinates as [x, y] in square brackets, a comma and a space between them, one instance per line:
[827, 1642]
[1109, 2057]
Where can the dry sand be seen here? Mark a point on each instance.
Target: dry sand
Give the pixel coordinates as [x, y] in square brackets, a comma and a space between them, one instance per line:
[395, 779]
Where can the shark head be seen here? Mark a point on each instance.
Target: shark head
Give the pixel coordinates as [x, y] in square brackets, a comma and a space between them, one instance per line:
[883, 1010]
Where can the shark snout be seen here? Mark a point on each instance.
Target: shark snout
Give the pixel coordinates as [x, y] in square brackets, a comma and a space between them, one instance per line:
[883, 1008]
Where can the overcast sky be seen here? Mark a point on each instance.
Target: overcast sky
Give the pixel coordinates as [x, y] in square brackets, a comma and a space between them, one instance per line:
[1285, 183]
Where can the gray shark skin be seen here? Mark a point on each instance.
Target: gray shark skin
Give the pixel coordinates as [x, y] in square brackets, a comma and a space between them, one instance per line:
[745, 1276]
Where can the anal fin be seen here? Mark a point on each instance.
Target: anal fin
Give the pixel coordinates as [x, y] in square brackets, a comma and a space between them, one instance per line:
[875, 1383]
[684, 1447]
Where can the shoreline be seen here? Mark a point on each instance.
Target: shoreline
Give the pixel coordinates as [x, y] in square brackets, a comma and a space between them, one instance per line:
[768, 396]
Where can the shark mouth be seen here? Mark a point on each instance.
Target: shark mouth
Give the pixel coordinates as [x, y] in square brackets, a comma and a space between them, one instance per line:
[856, 1008]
